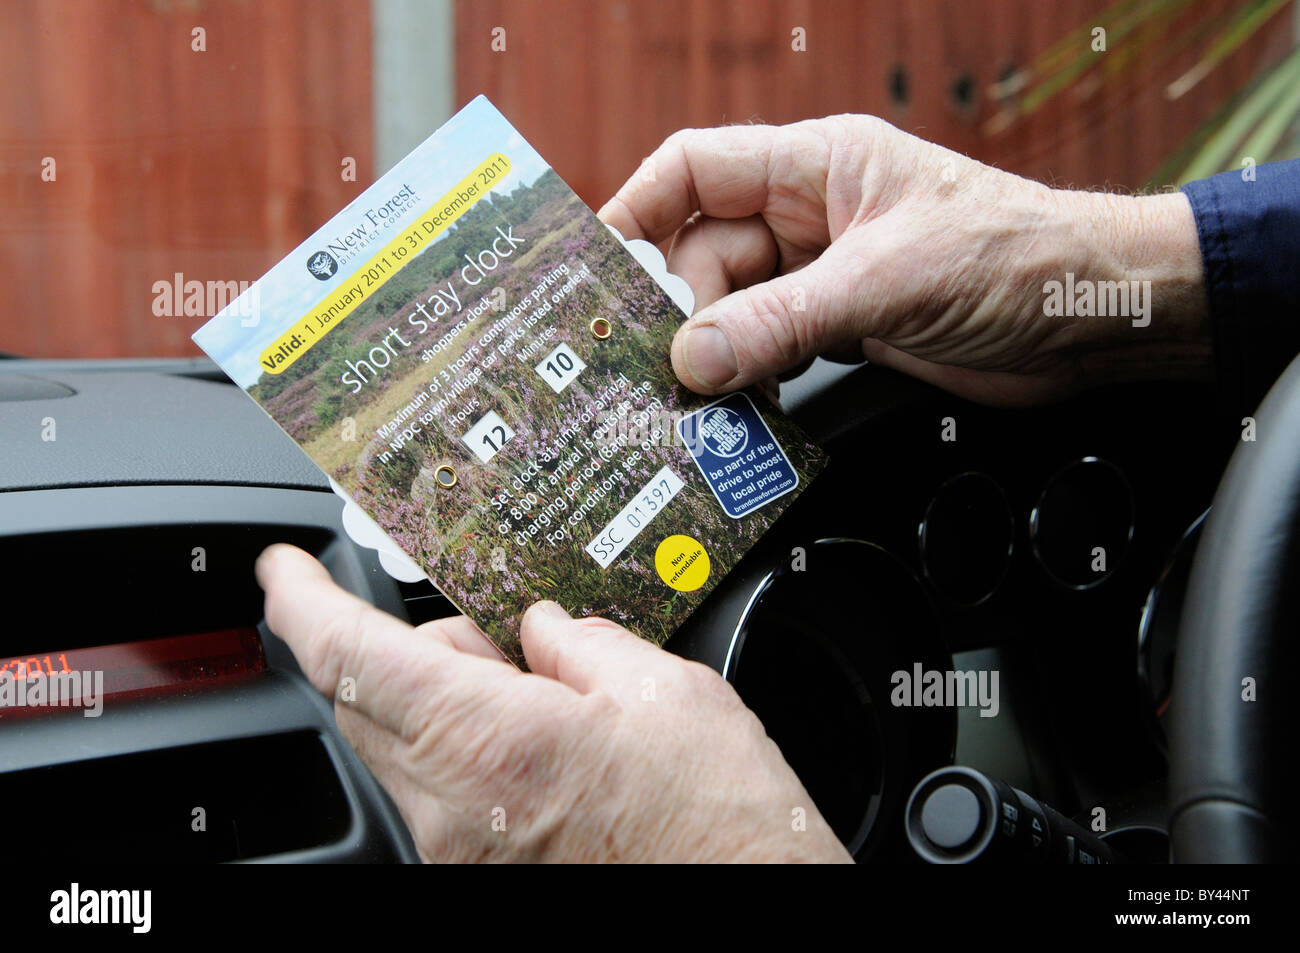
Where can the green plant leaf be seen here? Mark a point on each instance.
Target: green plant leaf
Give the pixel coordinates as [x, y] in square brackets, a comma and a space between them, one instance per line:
[1243, 26]
[1225, 141]
[1274, 126]
[1166, 175]
[1073, 58]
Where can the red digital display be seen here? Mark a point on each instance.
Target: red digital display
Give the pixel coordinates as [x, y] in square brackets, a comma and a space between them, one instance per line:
[150, 667]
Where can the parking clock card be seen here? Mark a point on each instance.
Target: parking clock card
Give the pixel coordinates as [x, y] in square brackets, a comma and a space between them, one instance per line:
[483, 367]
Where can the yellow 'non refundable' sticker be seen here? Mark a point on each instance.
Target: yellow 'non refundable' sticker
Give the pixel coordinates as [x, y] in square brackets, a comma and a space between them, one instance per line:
[682, 563]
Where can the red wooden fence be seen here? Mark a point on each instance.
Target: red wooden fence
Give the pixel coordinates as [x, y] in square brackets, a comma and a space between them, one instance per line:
[215, 164]
[212, 164]
[596, 86]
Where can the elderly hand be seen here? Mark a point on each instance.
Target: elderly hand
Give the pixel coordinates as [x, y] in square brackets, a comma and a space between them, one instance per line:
[849, 238]
[611, 749]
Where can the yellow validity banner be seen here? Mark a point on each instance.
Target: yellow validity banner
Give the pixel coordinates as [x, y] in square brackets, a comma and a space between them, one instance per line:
[330, 311]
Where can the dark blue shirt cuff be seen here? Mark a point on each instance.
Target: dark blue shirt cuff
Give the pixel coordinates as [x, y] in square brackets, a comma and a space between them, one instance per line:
[1249, 228]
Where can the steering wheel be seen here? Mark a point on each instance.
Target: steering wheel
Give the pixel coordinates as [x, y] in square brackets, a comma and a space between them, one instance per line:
[1231, 748]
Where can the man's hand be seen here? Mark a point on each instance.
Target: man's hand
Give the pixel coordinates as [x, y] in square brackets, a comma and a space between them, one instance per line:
[611, 750]
[848, 238]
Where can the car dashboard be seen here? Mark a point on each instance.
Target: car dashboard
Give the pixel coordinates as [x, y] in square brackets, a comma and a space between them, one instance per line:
[1043, 550]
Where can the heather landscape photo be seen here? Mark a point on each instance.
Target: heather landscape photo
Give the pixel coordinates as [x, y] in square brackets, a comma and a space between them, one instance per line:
[513, 530]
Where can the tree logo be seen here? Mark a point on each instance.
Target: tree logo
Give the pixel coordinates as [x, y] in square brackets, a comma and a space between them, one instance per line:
[322, 265]
[723, 432]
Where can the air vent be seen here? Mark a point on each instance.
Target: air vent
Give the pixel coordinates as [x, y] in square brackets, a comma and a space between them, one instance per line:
[227, 800]
[95, 587]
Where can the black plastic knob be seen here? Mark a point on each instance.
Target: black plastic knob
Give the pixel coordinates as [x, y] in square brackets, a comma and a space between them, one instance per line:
[959, 816]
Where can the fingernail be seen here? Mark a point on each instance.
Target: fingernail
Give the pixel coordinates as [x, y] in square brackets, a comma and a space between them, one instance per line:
[552, 610]
[263, 562]
[709, 356]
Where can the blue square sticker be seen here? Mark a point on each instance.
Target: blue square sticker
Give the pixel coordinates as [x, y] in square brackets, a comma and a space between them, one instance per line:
[736, 452]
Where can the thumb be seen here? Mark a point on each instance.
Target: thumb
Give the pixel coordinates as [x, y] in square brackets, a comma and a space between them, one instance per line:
[771, 327]
[589, 654]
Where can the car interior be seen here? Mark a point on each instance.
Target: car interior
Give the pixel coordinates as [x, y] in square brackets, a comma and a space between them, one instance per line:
[981, 634]
[944, 536]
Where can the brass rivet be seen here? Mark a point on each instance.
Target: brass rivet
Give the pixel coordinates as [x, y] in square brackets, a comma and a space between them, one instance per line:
[601, 328]
[445, 476]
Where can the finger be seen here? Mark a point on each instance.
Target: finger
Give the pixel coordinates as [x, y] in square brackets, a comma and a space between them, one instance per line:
[334, 635]
[387, 756]
[383, 753]
[724, 173]
[589, 654]
[770, 387]
[461, 634]
[769, 328]
[716, 256]
[995, 388]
